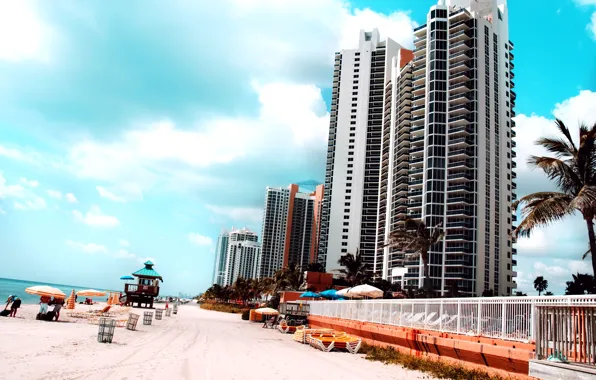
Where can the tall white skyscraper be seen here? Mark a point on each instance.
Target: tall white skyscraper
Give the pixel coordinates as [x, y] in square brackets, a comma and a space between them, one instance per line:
[350, 206]
[427, 134]
[221, 251]
[290, 228]
[449, 141]
[241, 255]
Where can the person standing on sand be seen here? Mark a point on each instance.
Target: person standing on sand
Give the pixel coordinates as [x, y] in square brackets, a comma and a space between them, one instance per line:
[10, 299]
[57, 306]
[14, 307]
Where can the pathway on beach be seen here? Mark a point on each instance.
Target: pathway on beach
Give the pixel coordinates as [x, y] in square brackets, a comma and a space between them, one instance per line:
[195, 344]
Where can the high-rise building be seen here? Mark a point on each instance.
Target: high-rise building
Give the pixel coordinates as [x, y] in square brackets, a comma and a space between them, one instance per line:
[241, 256]
[221, 251]
[448, 141]
[350, 206]
[291, 228]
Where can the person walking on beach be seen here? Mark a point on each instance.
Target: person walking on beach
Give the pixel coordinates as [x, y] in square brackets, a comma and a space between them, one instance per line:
[14, 307]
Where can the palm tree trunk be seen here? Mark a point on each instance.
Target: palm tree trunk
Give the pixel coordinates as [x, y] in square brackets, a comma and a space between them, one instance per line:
[592, 237]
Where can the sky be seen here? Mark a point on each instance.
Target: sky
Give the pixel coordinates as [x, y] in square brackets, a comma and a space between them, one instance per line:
[138, 130]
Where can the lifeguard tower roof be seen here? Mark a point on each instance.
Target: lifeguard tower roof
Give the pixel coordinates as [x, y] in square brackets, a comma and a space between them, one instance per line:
[148, 271]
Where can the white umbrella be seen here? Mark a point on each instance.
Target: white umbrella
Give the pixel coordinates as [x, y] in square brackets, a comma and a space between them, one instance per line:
[347, 292]
[267, 311]
[366, 291]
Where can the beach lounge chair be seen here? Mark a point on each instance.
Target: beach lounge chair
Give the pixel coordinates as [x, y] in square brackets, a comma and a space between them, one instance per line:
[336, 341]
[92, 313]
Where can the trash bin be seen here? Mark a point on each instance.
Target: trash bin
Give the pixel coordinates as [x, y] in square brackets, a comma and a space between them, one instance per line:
[175, 309]
[106, 330]
[158, 314]
[131, 324]
[147, 318]
[168, 312]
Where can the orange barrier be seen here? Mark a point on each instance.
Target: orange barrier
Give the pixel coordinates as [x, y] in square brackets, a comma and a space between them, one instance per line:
[491, 355]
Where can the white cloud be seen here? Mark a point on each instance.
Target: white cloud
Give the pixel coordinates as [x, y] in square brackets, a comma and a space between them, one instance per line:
[90, 248]
[124, 254]
[2, 212]
[572, 111]
[94, 217]
[28, 183]
[24, 198]
[55, 194]
[104, 193]
[23, 35]
[199, 239]
[592, 25]
[70, 198]
[124, 243]
[242, 214]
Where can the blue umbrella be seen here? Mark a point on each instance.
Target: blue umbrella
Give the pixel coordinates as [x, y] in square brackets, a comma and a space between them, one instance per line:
[310, 295]
[329, 293]
[127, 278]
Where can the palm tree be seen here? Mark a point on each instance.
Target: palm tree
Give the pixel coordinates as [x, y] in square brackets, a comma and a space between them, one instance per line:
[415, 239]
[242, 289]
[548, 294]
[573, 169]
[315, 267]
[354, 270]
[540, 284]
[581, 284]
[294, 276]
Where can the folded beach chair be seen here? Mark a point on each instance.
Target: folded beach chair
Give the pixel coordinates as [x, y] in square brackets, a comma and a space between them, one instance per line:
[93, 313]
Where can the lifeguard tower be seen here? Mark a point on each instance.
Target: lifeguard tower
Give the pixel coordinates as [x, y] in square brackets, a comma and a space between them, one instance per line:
[146, 289]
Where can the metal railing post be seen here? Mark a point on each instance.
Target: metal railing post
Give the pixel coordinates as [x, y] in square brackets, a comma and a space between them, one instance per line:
[533, 321]
[478, 322]
[504, 320]
[458, 316]
[441, 316]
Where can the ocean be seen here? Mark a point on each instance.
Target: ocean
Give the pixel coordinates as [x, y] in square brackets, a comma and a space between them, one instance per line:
[17, 287]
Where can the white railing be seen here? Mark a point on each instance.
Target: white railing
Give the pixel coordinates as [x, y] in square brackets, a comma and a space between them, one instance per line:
[511, 318]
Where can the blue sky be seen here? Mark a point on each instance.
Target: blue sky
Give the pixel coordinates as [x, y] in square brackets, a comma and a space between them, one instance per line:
[139, 130]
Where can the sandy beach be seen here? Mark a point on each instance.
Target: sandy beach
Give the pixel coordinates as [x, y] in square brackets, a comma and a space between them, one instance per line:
[195, 344]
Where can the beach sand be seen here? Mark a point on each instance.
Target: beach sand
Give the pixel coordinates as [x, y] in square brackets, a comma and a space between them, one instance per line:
[194, 344]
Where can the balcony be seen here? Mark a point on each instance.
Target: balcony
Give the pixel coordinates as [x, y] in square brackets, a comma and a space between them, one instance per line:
[461, 142]
[141, 290]
[459, 67]
[460, 109]
[460, 164]
[460, 177]
[460, 188]
[461, 153]
[459, 47]
[458, 99]
[460, 224]
[461, 120]
[461, 57]
[464, 35]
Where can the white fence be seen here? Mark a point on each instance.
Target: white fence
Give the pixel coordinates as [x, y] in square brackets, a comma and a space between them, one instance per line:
[511, 318]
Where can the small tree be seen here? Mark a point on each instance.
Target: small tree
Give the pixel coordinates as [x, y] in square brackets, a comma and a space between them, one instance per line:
[540, 284]
[354, 270]
[316, 267]
[416, 239]
[548, 294]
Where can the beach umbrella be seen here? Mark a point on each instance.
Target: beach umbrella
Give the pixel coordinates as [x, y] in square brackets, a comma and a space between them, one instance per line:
[44, 290]
[127, 278]
[91, 293]
[329, 294]
[70, 302]
[366, 291]
[347, 292]
[267, 311]
[310, 295]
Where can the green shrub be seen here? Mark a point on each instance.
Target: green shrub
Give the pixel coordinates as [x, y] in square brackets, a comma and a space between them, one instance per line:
[222, 307]
[441, 370]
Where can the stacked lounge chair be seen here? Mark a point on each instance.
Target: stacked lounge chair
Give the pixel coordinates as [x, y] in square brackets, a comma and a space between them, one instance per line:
[327, 339]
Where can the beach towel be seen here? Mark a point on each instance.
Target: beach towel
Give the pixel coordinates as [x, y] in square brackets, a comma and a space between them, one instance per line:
[4, 313]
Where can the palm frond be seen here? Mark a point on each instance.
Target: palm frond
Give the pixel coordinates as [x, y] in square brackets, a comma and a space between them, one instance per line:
[585, 199]
[541, 211]
[565, 131]
[558, 171]
[534, 196]
[558, 146]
